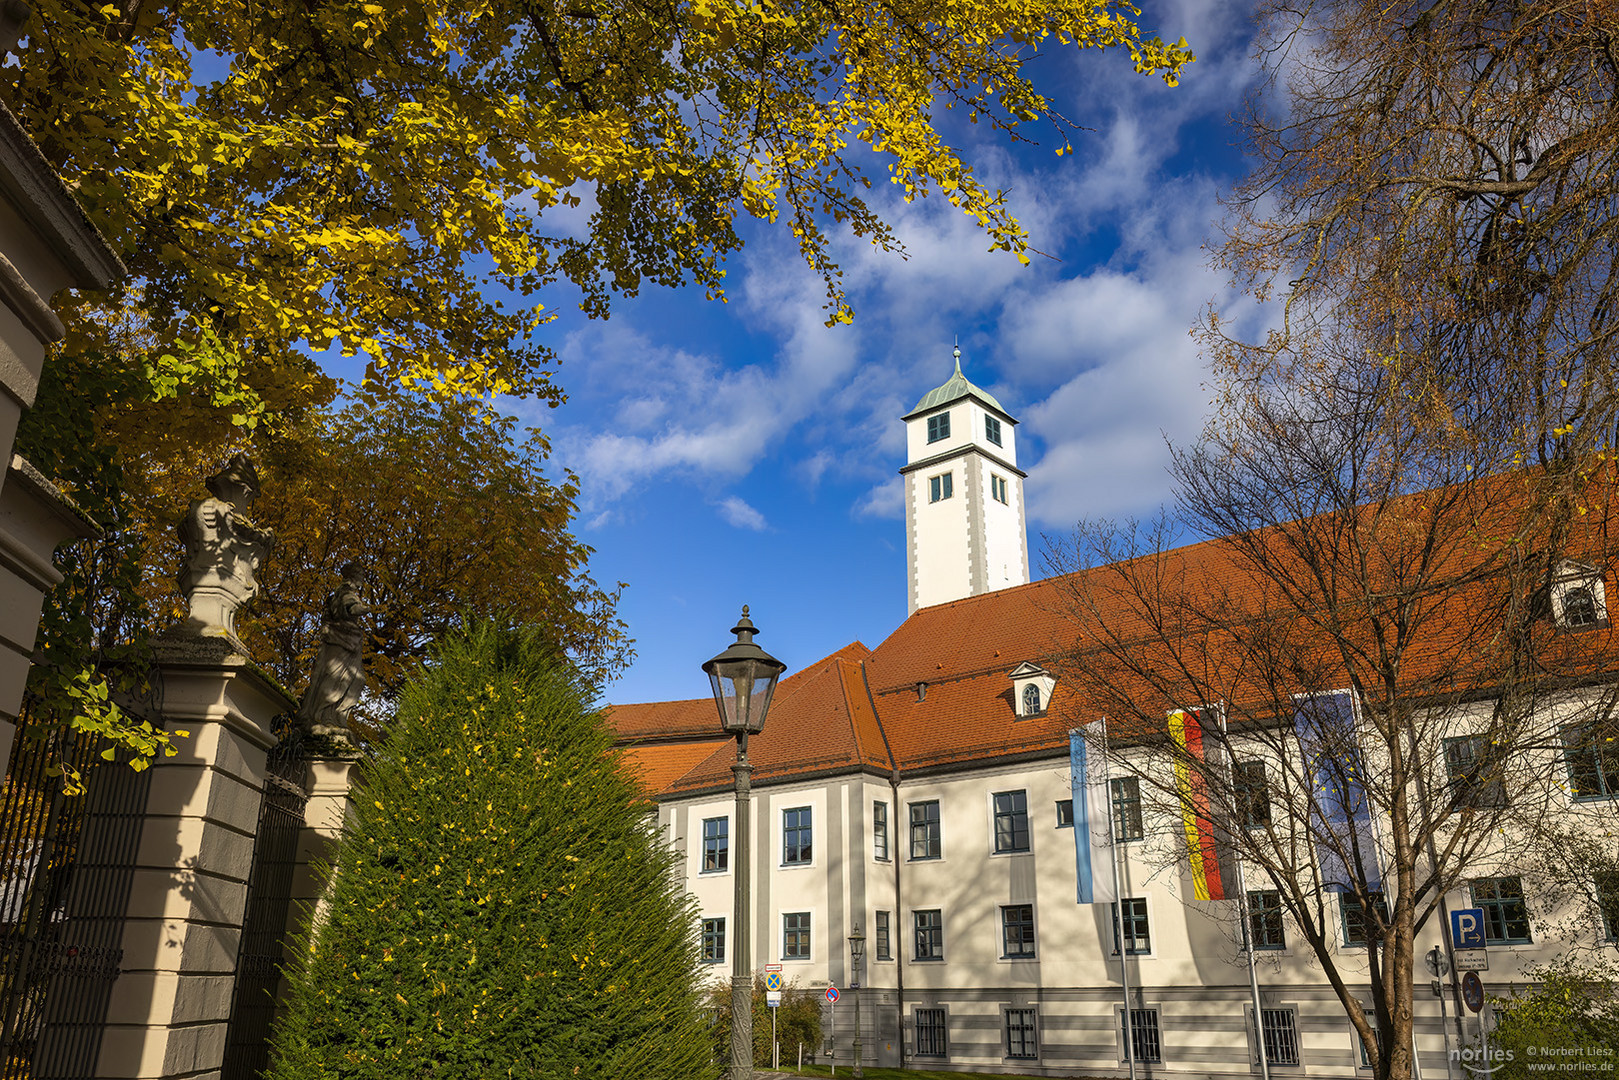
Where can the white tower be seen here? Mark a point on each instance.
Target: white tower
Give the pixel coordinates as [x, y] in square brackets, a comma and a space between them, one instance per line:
[964, 522]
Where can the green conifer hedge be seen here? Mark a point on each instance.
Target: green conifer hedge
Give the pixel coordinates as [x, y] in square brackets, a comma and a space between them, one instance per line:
[500, 907]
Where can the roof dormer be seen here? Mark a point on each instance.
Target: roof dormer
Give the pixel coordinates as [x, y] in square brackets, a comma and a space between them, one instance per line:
[1578, 599]
[1031, 689]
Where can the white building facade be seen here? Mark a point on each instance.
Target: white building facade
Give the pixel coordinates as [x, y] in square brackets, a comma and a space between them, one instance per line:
[922, 791]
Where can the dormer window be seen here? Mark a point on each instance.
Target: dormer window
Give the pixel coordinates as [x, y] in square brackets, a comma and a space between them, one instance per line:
[1031, 690]
[938, 427]
[992, 430]
[1579, 600]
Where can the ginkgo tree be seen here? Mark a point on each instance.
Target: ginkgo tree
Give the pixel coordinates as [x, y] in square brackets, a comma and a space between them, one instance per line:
[284, 177]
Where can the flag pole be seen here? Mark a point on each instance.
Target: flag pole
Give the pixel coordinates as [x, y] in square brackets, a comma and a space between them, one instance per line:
[1253, 973]
[1118, 911]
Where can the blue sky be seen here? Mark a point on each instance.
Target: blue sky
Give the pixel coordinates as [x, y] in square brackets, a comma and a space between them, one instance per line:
[745, 453]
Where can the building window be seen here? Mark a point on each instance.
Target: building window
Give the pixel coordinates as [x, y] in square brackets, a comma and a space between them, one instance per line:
[1011, 822]
[997, 489]
[1017, 931]
[1065, 813]
[1580, 607]
[938, 427]
[1031, 700]
[716, 844]
[1137, 938]
[1592, 754]
[1354, 916]
[1265, 919]
[929, 935]
[796, 836]
[1126, 808]
[1253, 794]
[925, 830]
[795, 936]
[1607, 896]
[1360, 1043]
[713, 941]
[1473, 778]
[1141, 1039]
[930, 1033]
[1020, 1039]
[940, 487]
[879, 831]
[885, 941]
[1506, 919]
[1279, 1028]
[992, 431]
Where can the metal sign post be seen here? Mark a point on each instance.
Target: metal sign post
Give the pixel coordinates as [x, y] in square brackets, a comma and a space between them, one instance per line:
[1439, 967]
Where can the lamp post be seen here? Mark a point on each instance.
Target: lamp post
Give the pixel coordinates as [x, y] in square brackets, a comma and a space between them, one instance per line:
[857, 950]
[743, 678]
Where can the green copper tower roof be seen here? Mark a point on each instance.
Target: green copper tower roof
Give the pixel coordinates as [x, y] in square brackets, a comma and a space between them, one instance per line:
[953, 389]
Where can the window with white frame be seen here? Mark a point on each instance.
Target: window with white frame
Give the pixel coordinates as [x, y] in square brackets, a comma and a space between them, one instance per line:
[884, 945]
[1017, 932]
[1142, 1041]
[929, 935]
[1021, 1042]
[1011, 822]
[1065, 813]
[714, 941]
[1280, 1030]
[940, 487]
[1031, 700]
[1126, 791]
[1591, 751]
[1253, 794]
[992, 432]
[997, 489]
[926, 841]
[1506, 917]
[1579, 598]
[1473, 772]
[716, 844]
[879, 831]
[795, 935]
[1606, 888]
[797, 836]
[1137, 933]
[1265, 928]
[938, 427]
[931, 1038]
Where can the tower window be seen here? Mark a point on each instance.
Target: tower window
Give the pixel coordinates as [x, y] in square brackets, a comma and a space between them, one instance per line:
[997, 488]
[992, 431]
[938, 427]
[940, 487]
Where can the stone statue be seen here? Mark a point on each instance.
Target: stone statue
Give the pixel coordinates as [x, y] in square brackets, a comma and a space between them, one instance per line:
[339, 677]
[223, 551]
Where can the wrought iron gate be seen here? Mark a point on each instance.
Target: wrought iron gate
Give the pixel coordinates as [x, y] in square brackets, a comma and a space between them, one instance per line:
[66, 868]
[269, 903]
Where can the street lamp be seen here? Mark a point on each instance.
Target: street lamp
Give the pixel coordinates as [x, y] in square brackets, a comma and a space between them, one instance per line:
[743, 677]
[857, 950]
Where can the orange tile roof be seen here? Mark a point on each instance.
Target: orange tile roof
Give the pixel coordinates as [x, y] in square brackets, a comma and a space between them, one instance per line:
[657, 767]
[860, 708]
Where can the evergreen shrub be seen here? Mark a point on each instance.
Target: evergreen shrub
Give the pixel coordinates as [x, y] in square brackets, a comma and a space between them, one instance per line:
[500, 905]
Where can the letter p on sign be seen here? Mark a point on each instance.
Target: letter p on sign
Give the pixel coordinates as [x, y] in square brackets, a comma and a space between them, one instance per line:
[1467, 928]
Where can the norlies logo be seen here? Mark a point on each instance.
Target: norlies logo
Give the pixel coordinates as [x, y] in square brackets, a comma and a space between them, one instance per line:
[1481, 1061]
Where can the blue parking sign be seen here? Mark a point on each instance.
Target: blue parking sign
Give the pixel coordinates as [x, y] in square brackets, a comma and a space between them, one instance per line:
[1467, 928]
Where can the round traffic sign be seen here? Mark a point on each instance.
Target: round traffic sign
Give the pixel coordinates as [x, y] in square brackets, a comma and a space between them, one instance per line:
[1472, 991]
[832, 994]
[1438, 962]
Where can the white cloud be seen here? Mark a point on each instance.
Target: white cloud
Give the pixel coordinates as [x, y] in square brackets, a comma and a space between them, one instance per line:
[737, 512]
[885, 500]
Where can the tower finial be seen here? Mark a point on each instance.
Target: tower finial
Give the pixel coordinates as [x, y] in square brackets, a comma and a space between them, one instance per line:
[958, 354]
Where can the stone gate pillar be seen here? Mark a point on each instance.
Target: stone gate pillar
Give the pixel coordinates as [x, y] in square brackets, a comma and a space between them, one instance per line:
[170, 1006]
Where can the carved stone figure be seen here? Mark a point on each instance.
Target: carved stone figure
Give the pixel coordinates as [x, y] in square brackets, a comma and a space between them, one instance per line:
[223, 550]
[339, 676]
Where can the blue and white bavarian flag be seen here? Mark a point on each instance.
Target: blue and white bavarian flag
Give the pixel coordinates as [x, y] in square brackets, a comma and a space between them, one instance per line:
[1093, 815]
